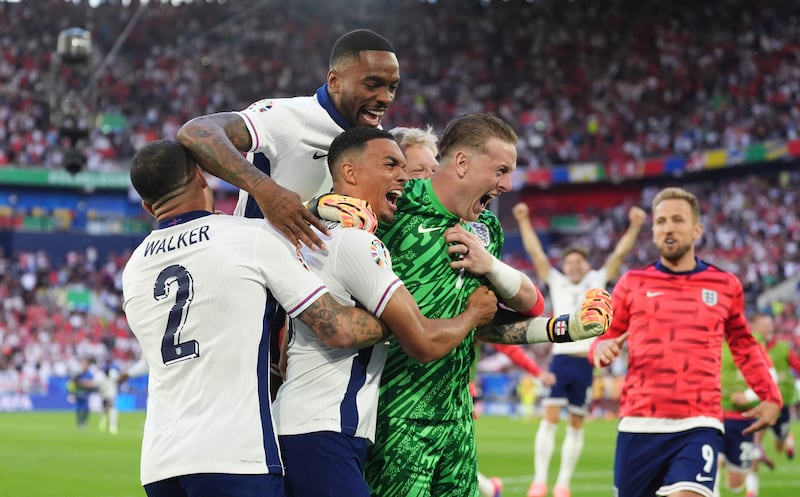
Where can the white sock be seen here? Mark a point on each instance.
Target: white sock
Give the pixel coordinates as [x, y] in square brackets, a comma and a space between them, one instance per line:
[570, 453]
[751, 482]
[543, 450]
[485, 487]
[113, 417]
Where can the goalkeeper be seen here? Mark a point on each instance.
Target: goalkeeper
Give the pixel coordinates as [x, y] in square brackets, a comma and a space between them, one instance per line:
[444, 244]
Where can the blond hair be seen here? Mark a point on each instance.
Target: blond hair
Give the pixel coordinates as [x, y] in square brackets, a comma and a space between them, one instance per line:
[675, 193]
[407, 137]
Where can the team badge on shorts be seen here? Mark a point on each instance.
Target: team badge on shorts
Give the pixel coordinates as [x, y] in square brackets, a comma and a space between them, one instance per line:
[709, 297]
[482, 231]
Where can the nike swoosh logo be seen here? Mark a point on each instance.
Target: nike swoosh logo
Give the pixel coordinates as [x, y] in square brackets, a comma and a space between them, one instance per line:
[654, 294]
[318, 155]
[702, 478]
[423, 229]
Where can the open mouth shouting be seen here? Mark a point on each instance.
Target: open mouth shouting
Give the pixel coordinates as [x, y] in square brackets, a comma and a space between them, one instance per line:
[372, 117]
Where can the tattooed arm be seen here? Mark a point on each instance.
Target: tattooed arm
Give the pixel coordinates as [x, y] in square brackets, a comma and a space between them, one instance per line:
[591, 319]
[216, 141]
[343, 327]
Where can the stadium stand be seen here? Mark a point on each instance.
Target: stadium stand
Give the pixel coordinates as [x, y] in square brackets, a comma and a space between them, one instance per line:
[611, 82]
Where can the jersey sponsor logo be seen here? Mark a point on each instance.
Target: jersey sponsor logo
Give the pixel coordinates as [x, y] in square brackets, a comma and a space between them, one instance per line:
[654, 294]
[380, 255]
[318, 155]
[423, 229]
[709, 297]
[482, 231]
[702, 478]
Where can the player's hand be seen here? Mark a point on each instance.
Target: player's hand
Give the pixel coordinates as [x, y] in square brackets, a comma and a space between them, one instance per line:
[521, 212]
[483, 302]
[767, 414]
[636, 216]
[739, 399]
[594, 316]
[607, 350]
[467, 251]
[284, 210]
[547, 378]
[351, 212]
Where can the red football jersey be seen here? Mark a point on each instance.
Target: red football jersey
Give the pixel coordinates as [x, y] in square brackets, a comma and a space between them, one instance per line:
[677, 322]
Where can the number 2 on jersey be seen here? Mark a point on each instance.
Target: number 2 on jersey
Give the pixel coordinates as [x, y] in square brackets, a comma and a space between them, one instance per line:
[172, 349]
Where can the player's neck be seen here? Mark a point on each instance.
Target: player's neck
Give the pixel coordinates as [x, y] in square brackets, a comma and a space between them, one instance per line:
[682, 265]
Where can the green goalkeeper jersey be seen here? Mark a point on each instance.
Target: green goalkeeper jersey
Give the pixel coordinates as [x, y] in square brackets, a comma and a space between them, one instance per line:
[437, 391]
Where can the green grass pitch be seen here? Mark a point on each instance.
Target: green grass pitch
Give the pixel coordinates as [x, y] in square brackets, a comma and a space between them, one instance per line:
[44, 455]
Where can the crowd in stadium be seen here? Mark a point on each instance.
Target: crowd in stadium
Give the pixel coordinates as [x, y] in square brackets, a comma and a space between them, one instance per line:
[52, 315]
[724, 75]
[580, 82]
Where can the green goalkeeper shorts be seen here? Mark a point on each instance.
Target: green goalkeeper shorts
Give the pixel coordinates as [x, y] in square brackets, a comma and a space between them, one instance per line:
[417, 458]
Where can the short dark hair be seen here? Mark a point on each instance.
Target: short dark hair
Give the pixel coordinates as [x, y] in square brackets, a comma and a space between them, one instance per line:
[351, 44]
[353, 139]
[160, 168]
[474, 130]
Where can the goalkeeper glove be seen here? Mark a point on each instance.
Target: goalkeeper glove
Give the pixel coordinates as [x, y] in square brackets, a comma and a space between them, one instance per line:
[350, 212]
[591, 319]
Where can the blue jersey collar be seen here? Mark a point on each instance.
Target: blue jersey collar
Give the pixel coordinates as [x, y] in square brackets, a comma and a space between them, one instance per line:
[182, 218]
[700, 266]
[325, 101]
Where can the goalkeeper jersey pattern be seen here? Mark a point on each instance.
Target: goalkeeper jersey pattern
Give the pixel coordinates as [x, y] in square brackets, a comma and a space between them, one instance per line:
[437, 390]
[677, 322]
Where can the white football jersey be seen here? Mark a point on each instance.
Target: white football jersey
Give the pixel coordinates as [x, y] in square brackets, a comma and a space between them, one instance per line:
[195, 294]
[294, 135]
[328, 389]
[566, 296]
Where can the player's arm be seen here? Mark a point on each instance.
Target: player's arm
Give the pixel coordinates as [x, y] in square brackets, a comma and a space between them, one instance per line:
[521, 360]
[531, 242]
[606, 348]
[426, 340]
[217, 141]
[591, 319]
[515, 288]
[636, 219]
[342, 327]
[794, 361]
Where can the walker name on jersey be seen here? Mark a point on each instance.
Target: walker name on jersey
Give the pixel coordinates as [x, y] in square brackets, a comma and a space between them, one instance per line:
[175, 242]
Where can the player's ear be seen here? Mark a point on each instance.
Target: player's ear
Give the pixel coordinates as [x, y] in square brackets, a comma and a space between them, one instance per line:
[698, 231]
[348, 172]
[148, 208]
[461, 161]
[333, 81]
[201, 177]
